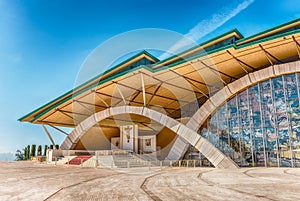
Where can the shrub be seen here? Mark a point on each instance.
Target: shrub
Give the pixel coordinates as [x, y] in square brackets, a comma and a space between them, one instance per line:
[19, 155]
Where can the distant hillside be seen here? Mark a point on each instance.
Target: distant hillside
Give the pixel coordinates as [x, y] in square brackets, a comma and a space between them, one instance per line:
[7, 157]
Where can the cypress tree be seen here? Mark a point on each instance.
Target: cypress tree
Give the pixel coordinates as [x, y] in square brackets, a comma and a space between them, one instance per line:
[45, 150]
[39, 152]
[28, 152]
[25, 153]
[33, 150]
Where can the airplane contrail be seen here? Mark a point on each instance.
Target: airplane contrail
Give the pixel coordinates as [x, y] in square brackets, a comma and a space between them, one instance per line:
[206, 26]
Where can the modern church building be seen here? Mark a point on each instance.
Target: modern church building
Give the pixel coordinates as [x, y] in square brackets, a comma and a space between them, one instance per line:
[232, 100]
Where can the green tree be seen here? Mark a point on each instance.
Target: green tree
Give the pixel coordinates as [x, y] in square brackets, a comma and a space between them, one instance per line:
[19, 155]
[45, 150]
[51, 146]
[56, 146]
[33, 150]
[25, 153]
[39, 152]
[28, 152]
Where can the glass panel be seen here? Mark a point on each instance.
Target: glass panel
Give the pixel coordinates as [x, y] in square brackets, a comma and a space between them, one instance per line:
[261, 125]
[271, 146]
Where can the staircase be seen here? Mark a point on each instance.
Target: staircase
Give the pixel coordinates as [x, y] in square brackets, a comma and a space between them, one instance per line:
[150, 158]
[106, 161]
[110, 161]
[125, 161]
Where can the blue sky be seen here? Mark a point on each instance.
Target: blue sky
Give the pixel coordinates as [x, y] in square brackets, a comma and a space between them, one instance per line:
[43, 44]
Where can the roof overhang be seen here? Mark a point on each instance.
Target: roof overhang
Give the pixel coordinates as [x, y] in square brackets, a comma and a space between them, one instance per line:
[173, 83]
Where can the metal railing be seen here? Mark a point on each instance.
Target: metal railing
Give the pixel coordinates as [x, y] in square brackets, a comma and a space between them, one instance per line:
[96, 163]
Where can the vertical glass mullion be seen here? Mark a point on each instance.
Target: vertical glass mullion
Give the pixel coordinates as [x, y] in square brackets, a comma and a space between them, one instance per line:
[239, 130]
[250, 128]
[228, 129]
[275, 123]
[227, 124]
[288, 119]
[262, 127]
[298, 95]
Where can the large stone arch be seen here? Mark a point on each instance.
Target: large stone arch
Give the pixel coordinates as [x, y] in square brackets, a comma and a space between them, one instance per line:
[237, 86]
[227, 92]
[215, 156]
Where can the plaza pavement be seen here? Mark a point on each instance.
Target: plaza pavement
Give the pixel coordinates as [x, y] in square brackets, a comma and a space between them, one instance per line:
[38, 181]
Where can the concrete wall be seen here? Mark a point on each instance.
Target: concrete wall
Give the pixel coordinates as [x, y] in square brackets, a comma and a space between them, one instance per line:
[165, 140]
[97, 138]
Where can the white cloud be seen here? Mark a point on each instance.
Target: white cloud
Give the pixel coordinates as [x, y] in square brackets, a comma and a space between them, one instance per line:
[218, 19]
[208, 25]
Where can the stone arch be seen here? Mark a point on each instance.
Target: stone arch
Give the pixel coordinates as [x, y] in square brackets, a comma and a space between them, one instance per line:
[179, 147]
[237, 86]
[215, 156]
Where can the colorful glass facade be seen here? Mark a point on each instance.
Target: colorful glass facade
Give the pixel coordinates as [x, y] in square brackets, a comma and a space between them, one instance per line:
[261, 125]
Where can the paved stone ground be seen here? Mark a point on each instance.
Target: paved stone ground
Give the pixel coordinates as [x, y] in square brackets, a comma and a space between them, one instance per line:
[34, 181]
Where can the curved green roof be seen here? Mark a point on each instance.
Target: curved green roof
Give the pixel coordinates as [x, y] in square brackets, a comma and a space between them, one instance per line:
[211, 47]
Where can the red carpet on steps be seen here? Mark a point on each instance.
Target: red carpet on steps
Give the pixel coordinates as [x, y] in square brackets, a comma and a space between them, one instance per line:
[78, 160]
